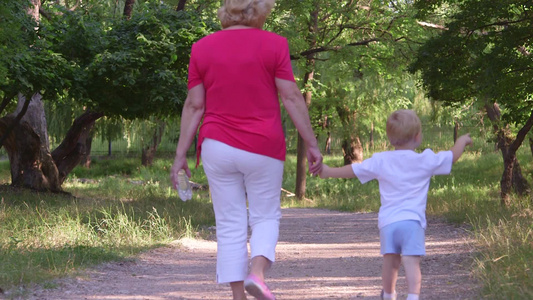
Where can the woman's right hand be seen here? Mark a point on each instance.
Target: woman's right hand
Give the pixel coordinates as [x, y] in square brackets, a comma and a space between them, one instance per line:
[179, 163]
[314, 159]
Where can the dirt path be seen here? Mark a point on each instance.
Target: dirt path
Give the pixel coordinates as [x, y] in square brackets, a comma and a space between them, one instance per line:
[322, 254]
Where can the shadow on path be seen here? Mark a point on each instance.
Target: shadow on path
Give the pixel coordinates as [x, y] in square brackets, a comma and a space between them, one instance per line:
[322, 254]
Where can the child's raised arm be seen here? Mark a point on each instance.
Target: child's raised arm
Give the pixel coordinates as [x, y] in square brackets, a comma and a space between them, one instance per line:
[341, 172]
[460, 145]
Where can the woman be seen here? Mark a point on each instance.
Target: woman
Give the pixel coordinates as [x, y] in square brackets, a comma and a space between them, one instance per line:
[235, 76]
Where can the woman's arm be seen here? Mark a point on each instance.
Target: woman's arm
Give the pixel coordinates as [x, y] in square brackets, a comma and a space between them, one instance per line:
[295, 105]
[191, 115]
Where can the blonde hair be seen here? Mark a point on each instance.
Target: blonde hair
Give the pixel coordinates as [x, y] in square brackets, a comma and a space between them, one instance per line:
[251, 13]
[402, 127]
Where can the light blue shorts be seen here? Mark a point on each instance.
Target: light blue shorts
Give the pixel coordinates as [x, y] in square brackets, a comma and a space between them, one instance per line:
[403, 237]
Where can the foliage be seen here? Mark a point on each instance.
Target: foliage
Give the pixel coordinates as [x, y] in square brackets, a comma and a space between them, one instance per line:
[16, 31]
[485, 54]
[361, 51]
[27, 65]
[144, 64]
[131, 68]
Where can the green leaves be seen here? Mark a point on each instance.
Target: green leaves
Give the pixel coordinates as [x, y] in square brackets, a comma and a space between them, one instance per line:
[16, 32]
[484, 54]
[143, 70]
[131, 68]
[361, 52]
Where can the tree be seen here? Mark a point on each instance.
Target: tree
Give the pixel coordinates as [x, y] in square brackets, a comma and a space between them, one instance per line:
[30, 72]
[485, 54]
[131, 68]
[370, 36]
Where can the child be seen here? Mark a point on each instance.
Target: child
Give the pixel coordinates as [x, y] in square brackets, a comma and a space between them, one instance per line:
[403, 177]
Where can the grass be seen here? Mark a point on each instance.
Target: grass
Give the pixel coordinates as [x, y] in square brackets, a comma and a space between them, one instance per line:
[114, 211]
[117, 209]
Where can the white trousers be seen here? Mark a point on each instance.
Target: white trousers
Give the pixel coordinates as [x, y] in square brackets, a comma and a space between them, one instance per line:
[235, 176]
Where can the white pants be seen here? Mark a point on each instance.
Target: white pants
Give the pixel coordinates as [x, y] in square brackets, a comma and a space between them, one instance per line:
[234, 176]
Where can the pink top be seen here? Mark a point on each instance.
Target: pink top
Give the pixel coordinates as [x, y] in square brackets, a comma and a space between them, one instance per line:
[237, 68]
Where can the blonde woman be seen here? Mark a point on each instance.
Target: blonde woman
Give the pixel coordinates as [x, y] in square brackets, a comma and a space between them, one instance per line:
[235, 77]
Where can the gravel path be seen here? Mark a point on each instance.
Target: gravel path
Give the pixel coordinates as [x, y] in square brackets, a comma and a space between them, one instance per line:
[322, 254]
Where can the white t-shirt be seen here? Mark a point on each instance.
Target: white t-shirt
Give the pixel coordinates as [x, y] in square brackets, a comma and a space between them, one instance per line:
[403, 177]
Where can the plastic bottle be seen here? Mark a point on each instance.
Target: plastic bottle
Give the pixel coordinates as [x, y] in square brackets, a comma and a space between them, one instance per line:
[184, 186]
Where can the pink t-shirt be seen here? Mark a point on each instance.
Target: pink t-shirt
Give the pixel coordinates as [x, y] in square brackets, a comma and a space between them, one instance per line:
[238, 69]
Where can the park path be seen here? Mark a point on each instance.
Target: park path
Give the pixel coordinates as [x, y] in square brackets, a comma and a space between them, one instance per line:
[322, 254]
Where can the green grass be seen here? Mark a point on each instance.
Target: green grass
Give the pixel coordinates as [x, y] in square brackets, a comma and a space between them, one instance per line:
[122, 210]
[118, 208]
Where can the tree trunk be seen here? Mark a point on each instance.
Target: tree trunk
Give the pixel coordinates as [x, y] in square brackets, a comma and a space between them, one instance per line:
[86, 157]
[509, 161]
[12, 124]
[352, 150]
[31, 164]
[35, 116]
[520, 184]
[301, 159]
[512, 177]
[327, 149]
[148, 152]
[73, 147]
[128, 8]
[181, 5]
[351, 144]
[25, 138]
[455, 131]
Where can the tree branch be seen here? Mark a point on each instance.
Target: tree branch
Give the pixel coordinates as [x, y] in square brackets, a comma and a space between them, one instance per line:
[306, 53]
[15, 121]
[521, 135]
[504, 23]
[4, 104]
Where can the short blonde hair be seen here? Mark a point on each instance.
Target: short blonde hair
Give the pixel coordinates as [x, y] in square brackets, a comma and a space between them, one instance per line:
[402, 127]
[251, 13]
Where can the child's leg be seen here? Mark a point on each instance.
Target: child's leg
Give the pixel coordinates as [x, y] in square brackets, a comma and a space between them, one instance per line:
[413, 247]
[411, 265]
[389, 273]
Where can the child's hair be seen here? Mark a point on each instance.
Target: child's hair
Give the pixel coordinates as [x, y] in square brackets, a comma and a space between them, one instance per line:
[402, 127]
[245, 12]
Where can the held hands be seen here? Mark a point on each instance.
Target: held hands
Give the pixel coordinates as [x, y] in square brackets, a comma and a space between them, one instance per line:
[314, 159]
[325, 171]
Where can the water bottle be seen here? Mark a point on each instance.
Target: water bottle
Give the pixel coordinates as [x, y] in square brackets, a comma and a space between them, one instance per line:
[184, 186]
